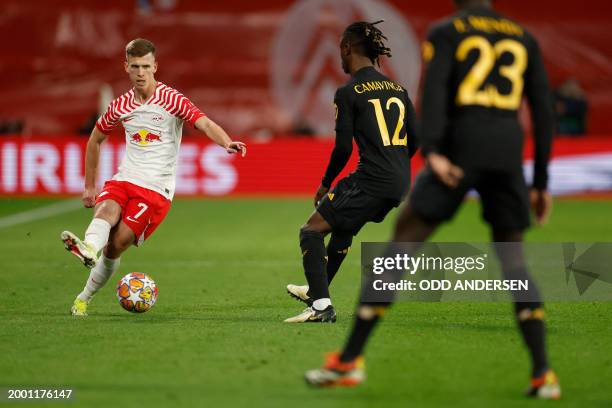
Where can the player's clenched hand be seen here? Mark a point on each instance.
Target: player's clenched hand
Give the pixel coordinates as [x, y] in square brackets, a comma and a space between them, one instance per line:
[89, 197]
[319, 195]
[541, 204]
[445, 170]
[235, 147]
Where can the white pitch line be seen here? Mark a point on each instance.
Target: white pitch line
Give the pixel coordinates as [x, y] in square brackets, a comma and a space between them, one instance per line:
[40, 213]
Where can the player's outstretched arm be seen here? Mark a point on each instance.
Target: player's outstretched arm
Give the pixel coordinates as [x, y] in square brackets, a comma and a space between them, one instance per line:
[539, 95]
[92, 157]
[219, 136]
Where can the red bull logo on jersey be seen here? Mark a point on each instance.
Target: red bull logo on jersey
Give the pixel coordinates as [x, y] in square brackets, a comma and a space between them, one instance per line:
[144, 137]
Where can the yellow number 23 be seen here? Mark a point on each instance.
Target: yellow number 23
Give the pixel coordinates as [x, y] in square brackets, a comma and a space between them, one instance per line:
[469, 92]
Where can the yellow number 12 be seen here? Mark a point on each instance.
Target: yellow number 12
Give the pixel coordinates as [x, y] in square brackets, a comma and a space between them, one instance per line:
[382, 123]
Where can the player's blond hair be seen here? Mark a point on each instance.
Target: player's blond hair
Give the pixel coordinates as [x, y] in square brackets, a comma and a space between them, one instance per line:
[139, 47]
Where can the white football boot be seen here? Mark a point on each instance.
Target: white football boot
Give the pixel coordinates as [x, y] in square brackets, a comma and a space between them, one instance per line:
[82, 250]
[300, 293]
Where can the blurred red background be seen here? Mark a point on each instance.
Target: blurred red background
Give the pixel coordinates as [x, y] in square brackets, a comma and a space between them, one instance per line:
[56, 55]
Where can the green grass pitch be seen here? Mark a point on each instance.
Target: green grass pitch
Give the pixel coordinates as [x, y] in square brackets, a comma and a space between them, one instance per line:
[216, 337]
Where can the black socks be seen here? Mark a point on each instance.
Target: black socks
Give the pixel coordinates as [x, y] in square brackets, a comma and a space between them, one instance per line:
[530, 317]
[337, 249]
[313, 259]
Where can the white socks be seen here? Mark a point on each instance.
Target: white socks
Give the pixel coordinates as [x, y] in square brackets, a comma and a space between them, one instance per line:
[97, 233]
[98, 277]
[321, 304]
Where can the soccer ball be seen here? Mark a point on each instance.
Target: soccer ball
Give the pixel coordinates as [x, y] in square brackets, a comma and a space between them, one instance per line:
[136, 292]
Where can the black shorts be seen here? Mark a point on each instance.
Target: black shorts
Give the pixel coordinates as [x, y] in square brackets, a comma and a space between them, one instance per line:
[348, 208]
[503, 196]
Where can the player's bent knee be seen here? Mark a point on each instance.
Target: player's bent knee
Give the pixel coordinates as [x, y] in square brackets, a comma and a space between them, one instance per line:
[122, 237]
[307, 236]
[307, 231]
[115, 248]
[108, 210]
[306, 227]
[317, 223]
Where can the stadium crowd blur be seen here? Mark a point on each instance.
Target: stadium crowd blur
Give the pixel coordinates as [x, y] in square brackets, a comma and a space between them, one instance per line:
[571, 108]
[67, 65]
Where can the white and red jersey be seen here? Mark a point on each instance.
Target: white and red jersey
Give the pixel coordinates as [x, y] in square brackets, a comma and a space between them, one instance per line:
[153, 132]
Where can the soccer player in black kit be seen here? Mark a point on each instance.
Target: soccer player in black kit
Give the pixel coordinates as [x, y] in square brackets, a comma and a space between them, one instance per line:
[480, 64]
[378, 114]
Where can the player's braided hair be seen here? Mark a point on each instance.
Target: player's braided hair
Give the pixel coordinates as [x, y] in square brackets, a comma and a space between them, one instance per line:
[370, 38]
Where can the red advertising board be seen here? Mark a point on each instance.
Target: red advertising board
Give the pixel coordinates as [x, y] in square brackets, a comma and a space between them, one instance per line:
[286, 166]
[55, 165]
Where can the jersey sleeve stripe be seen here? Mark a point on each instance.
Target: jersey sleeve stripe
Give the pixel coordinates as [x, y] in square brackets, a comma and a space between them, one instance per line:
[102, 129]
[120, 106]
[123, 106]
[177, 104]
[172, 106]
[185, 108]
[167, 100]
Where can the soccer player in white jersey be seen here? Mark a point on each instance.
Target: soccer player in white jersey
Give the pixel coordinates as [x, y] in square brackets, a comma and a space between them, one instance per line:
[133, 204]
